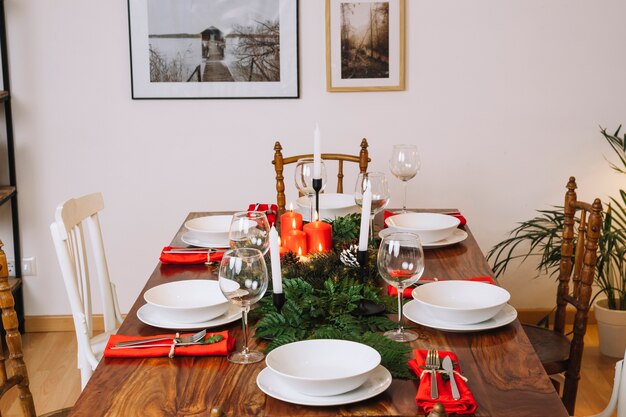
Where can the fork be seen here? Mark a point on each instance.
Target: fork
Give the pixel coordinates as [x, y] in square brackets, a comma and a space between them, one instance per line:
[433, 363]
[192, 338]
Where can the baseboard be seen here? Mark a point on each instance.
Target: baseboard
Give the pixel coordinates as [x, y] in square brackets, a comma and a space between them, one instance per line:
[38, 324]
[534, 315]
[35, 324]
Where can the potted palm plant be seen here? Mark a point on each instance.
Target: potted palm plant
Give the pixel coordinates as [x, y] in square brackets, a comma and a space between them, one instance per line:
[540, 238]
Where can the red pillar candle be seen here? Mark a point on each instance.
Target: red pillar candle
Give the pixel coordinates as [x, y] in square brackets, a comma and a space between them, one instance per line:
[319, 236]
[289, 221]
[296, 241]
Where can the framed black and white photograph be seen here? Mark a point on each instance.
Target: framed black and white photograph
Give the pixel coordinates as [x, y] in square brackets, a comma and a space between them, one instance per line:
[364, 45]
[214, 48]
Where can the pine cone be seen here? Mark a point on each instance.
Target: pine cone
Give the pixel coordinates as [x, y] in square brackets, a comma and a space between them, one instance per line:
[348, 256]
[290, 259]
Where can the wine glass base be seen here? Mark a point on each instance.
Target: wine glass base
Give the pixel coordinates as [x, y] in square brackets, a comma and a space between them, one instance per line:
[405, 336]
[244, 358]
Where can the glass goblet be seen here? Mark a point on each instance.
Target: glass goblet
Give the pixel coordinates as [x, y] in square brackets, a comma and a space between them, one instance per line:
[404, 164]
[250, 229]
[379, 187]
[401, 263]
[243, 281]
[304, 180]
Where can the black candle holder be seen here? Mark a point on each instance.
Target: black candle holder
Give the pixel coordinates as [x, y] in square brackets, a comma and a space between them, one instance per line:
[317, 186]
[279, 300]
[365, 307]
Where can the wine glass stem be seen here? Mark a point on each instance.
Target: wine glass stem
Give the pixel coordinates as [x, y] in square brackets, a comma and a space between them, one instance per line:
[400, 295]
[310, 208]
[372, 229]
[404, 203]
[244, 325]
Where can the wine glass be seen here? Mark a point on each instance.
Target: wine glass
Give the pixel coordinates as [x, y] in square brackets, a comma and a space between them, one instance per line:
[304, 180]
[243, 281]
[379, 187]
[250, 229]
[401, 263]
[404, 164]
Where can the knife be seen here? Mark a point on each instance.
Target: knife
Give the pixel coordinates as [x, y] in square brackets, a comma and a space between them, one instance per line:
[447, 366]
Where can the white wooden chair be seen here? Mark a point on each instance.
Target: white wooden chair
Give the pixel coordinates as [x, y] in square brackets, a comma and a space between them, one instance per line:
[78, 242]
[618, 396]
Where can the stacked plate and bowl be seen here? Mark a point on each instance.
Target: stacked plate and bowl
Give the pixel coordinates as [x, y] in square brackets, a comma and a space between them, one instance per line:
[332, 205]
[208, 231]
[323, 372]
[434, 229]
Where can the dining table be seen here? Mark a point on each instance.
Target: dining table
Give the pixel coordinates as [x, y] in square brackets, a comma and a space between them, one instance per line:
[504, 373]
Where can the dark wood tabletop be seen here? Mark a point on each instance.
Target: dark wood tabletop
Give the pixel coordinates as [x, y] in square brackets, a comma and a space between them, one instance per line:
[504, 372]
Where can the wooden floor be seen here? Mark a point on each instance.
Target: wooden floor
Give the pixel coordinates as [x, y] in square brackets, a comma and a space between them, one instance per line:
[55, 380]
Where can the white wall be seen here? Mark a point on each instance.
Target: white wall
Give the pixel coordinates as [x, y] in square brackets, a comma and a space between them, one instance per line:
[504, 99]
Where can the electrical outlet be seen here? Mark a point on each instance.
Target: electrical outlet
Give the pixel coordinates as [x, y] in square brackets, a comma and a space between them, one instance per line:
[11, 265]
[29, 266]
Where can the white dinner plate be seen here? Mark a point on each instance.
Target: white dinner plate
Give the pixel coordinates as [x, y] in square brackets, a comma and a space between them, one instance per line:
[273, 385]
[415, 311]
[459, 235]
[191, 240]
[149, 316]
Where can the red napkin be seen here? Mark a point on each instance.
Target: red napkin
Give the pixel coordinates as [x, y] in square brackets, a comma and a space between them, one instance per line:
[221, 348]
[466, 405]
[270, 211]
[393, 291]
[187, 258]
[456, 214]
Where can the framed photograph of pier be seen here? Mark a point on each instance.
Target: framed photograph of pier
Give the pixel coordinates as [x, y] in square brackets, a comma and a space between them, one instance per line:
[364, 45]
[213, 48]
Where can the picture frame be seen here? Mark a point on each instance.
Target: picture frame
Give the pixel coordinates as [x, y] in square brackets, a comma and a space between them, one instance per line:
[207, 49]
[365, 45]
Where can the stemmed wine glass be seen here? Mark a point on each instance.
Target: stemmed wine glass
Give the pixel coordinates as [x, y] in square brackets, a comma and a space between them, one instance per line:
[380, 193]
[404, 164]
[304, 180]
[250, 229]
[243, 281]
[401, 263]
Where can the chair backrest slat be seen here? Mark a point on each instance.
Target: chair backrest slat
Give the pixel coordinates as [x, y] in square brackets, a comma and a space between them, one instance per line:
[279, 162]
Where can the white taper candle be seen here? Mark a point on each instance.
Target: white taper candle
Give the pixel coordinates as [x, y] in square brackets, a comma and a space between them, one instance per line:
[277, 278]
[317, 154]
[365, 216]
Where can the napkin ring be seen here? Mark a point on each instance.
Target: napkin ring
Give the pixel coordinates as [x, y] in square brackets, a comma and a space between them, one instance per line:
[174, 342]
[441, 371]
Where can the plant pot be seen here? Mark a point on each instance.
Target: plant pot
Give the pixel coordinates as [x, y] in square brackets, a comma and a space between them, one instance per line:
[611, 329]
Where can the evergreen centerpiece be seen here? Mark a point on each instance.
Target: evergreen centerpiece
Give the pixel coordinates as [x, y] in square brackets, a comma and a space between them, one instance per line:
[321, 296]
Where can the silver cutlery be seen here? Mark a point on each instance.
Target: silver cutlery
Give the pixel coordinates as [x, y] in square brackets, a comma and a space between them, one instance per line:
[433, 363]
[192, 338]
[195, 250]
[449, 368]
[199, 342]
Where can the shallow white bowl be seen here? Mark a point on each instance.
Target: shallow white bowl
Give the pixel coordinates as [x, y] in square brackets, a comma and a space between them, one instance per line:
[430, 227]
[461, 302]
[332, 205]
[190, 301]
[323, 367]
[210, 229]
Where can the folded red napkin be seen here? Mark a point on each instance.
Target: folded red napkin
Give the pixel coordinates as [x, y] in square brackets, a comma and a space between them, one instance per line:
[187, 258]
[221, 348]
[270, 211]
[465, 405]
[456, 214]
[393, 291]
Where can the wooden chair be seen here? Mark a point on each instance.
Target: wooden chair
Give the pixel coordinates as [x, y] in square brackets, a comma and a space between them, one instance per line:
[557, 352]
[78, 242]
[618, 396]
[18, 375]
[279, 162]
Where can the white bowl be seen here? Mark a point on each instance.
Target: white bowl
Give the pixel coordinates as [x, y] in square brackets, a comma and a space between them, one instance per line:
[210, 229]
[323, 367]
[461, 302]
[332, 205]
[430, 227]
[190, 301]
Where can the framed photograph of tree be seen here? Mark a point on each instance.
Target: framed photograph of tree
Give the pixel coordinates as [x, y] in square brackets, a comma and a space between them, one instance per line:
[213, 48]
[364, 45]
